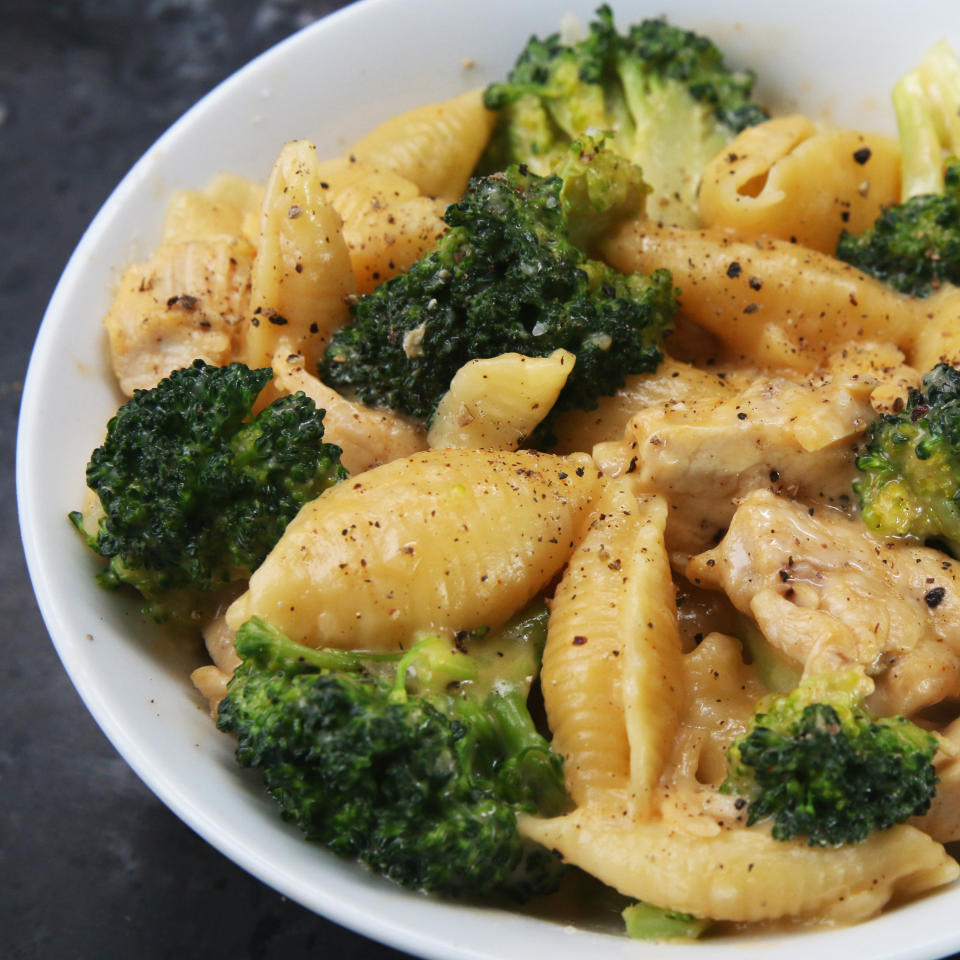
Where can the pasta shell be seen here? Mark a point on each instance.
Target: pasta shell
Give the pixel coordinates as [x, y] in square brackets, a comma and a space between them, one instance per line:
[444, 540]
[612, 667]
[436, 146]
[497, 402]
[786, 179]
[301, 272]
[744, 874]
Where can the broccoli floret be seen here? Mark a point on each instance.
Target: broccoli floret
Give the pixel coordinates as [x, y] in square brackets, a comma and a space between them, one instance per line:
[914, 246]
[911, 466]
[507, 278]
[600, 189]
[664, 94]
[194, 491]
[415, 764]
[823, 768]
[643, 921]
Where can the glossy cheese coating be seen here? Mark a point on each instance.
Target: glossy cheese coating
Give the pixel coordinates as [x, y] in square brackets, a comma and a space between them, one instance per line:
[443, 540]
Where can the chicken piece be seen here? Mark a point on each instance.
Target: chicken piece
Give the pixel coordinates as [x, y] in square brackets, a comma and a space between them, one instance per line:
[367, 436]
[211, 683]
[881, 364]
[182, 304]
[227, 208]
[916, 678]
[220, 642]
[387, 223]
[828, 593]
[704, 455]
[942, 820]
[671, 383]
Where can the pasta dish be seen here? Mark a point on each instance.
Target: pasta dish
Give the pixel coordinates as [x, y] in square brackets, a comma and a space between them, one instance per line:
[566, 477]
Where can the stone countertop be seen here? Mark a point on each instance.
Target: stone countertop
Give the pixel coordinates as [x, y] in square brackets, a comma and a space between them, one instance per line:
[94, 867]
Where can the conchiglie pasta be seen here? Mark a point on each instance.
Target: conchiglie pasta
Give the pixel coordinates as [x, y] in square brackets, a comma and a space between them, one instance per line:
[211, 683]
[435, 146]
[744, 874]
[497, 402]
[937, 339]
[789, 180]
[653, 662]
[721, 694]
[612, 674]
[770, 302]
[942, 820]
[442, 540]
[301, 273]
[392, 187]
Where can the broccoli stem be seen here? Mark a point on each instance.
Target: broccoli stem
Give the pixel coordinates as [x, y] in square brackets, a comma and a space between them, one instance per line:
[271, 649]
[644, 921]
[921, 151]
[927, 103]
[513, 720]
[535, 764]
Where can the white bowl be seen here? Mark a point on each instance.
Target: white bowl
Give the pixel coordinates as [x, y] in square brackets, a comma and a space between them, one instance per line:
[331, 83]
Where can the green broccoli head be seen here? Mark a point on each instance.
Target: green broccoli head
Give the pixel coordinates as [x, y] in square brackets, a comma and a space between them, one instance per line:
[194, 490]
[664, 95]
[600, 189]
[821, 767]
[553, 95]
[415, 764]
[507, 278]
[914, 246]
[910, 483]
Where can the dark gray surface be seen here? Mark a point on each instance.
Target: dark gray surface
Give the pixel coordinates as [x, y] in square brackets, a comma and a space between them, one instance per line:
[92, 865]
